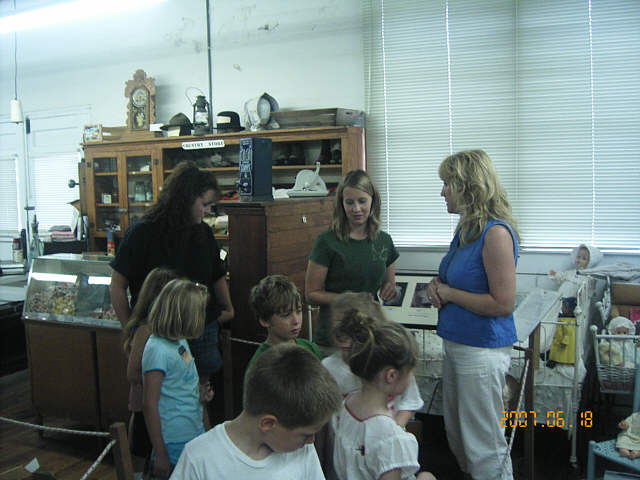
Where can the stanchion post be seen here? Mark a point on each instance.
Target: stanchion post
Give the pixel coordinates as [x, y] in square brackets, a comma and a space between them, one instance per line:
[227, 372]
[121, 453]
[529, 405]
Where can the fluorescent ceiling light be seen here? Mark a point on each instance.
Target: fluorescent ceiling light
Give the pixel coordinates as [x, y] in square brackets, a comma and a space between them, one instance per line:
[53, 277]
[69, 11]
[94, 280]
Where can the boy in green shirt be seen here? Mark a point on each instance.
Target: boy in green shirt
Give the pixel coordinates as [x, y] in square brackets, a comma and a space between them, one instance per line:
[277, 304]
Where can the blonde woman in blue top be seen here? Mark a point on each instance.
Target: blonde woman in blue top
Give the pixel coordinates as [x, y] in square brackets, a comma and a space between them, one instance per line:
[475, 292]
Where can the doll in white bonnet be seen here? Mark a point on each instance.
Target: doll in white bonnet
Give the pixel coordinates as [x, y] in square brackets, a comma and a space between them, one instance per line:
[624, 326]
[582, 257]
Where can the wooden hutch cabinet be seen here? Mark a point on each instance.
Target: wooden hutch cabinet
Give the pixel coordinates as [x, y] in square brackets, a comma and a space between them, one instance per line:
[267, 238]
[123, 178]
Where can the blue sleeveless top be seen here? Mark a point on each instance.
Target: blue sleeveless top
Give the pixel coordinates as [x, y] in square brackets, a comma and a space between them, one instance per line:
[462, 268]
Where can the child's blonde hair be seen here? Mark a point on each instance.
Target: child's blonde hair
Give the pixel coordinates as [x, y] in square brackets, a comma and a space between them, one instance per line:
[381, 345]
[154, 282]
[179, 311]
[350, 312]
[274, 294]
[289, 382]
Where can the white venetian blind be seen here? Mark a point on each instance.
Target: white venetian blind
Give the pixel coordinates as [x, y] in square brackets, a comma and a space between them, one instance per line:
[50, 178]
[9, 203]
[551, 90]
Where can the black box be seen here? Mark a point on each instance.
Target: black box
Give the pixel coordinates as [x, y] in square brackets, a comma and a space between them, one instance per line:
[255, 165]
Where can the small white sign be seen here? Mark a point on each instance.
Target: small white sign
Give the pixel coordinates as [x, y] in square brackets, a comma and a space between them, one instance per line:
[203, 144]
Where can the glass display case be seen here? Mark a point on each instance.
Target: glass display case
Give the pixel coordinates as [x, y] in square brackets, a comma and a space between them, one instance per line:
[70, 288]
[106, 193]
[139, 186]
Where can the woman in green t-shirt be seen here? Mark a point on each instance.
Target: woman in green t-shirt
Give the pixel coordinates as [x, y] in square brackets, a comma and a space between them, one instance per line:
[353, 255]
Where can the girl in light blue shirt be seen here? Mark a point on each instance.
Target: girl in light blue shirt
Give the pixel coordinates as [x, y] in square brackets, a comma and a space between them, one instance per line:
[171, 393]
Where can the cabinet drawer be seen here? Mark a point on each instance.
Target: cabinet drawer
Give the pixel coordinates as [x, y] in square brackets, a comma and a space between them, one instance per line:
[62, 367]
[286, 245]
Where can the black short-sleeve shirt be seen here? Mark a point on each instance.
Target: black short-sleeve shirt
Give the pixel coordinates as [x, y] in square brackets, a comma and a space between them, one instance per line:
[193, 253]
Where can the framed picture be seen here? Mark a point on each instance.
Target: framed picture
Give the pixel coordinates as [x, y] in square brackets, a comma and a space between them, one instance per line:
[412, 307]
[92, 133]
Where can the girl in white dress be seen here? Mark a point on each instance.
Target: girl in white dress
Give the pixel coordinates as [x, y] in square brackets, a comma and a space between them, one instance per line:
[368, 443]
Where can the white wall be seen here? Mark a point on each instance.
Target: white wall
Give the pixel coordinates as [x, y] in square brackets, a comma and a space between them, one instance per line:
[306, 54]
[88, 63]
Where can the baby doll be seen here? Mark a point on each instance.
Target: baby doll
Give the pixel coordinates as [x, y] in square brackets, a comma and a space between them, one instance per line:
[583, 256]
[628, 442]
[624, 326]
[610, 354]
[618, 353]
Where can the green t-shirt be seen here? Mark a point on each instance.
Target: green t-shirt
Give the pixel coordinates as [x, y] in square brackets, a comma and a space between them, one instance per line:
[312, 347]
[353, 265]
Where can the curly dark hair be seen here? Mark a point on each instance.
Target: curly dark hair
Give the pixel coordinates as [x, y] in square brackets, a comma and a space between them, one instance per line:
[180, 190]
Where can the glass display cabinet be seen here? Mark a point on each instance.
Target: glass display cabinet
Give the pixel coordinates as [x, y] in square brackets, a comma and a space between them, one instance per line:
[120, 187]
[74, 345]
[70, 288]
[139, 186]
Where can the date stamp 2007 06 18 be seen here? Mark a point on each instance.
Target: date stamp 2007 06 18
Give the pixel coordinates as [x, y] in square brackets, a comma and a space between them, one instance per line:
[554, 419]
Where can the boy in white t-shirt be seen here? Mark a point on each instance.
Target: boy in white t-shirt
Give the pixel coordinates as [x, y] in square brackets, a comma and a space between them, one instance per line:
[288, 397]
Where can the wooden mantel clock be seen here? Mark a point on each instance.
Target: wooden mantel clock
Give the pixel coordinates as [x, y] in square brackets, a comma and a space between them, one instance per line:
[141, 92]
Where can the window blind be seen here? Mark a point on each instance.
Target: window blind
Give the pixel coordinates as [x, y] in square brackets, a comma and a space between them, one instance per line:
[9, 202]
[52, 197]
[551, 90]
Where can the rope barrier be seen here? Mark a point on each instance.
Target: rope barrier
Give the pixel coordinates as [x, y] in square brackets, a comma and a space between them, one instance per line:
[98, 460]
[56, 429]
[76, 432]
[240, 340]
[513, 430]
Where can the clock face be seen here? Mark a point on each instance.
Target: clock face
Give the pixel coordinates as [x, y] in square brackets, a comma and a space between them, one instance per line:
[139, 97]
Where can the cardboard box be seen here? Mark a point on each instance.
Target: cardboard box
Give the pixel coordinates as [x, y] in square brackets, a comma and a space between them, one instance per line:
[625, 293]
[625, 301]
[321, 117]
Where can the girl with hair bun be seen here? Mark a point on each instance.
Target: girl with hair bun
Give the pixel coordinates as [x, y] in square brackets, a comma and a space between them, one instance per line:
[368, 443]
[352, 315]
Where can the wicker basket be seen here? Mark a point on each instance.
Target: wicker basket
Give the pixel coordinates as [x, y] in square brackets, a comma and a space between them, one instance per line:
[612, 378]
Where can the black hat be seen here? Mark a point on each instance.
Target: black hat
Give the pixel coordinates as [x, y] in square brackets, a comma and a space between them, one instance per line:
[179, 120]
[228, 122]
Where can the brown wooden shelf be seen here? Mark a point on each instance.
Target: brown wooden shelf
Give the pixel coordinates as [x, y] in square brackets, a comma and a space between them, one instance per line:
[311, 166]
[103, 233]
[275, 167]
[164, 151]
